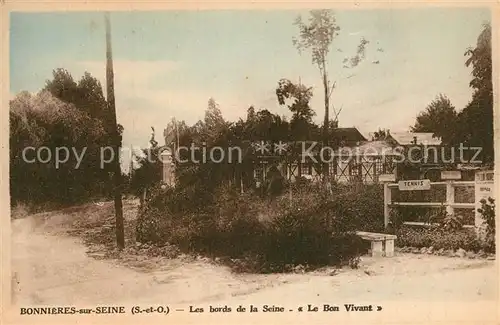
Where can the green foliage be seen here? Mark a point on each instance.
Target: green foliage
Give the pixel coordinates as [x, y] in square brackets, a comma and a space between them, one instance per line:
[312, 229]
[423, 237]
[439, 117]
[435, 219]
[317, 35]
[487, 212]
[43, 120]
[214, 125]
[274, 184]
[299, 237]
[451, 222]
[364, 203]
[473, 125]
[149, 172]
[301, 123]
[480, 60]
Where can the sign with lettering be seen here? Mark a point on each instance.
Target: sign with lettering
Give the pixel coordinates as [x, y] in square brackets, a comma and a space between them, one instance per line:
[415, 185]
[386, 178]
[451, 175]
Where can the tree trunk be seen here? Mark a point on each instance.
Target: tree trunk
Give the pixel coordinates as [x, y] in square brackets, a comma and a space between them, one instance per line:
[143, 196]
[326, 121]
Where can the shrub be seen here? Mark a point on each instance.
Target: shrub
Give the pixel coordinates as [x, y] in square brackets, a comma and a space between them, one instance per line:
[451, 222]
[422, 237]
[487, 212]
[363, 204]
[443, 221]
[152, 226]
[301, 236]
[436, 218]
[311, 230]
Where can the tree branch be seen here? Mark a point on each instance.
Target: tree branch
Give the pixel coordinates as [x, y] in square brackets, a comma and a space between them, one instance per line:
[337, 114]
[331, 89]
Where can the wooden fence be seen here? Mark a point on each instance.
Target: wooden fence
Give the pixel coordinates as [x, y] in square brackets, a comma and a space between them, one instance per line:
[483, 188]
[449, 204]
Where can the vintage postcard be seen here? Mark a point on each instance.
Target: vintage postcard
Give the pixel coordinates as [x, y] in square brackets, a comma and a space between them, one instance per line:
[249, 163]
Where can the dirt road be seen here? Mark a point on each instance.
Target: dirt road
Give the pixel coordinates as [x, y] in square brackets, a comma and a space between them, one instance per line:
[52, 268]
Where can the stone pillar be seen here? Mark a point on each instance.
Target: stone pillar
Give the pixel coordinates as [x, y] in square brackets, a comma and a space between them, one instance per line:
[168, 173]
[387, 203]
[450, 197]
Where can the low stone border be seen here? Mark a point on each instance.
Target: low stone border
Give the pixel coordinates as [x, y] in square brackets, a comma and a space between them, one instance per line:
[462, 253]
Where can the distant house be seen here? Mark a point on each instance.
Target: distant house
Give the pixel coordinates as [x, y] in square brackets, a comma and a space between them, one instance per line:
[364, 162]
[309, 168]
[348, 136]
[413, 138]
[355, 159]
[423, 150]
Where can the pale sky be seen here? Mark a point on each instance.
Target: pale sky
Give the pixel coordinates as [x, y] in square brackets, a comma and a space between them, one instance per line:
[170, 63]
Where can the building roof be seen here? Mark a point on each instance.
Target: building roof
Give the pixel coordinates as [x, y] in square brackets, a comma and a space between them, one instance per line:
[368, 148]
[348, 134]
[409, 138]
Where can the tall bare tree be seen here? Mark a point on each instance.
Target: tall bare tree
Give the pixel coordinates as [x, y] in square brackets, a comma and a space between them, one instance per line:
[317, 35]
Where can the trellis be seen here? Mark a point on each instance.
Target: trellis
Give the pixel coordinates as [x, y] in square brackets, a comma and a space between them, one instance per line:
[359, 168]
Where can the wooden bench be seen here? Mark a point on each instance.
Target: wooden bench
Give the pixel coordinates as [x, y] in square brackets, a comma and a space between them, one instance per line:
[381, 244]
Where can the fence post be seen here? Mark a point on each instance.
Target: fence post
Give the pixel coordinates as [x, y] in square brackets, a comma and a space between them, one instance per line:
[387, 202]
[450, 197]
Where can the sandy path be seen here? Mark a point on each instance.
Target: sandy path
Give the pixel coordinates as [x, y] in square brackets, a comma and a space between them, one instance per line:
[50, 268]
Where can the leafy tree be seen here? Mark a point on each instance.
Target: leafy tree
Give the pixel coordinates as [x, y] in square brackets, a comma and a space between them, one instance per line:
[439, 117]
[270, 127]
[42, 120]
[301, 123]
[91, 97]
[87, 95]
[480, 60]
[65, 114]
[149, 172]
[214, 123]
[473, 126]
[63, 86]
[173, 132]
[475, 121]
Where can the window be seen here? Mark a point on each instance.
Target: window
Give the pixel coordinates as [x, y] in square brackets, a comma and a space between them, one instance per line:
[354, 168]
[379, 167]
[333, 167]
[306, 169]
[259, 173]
